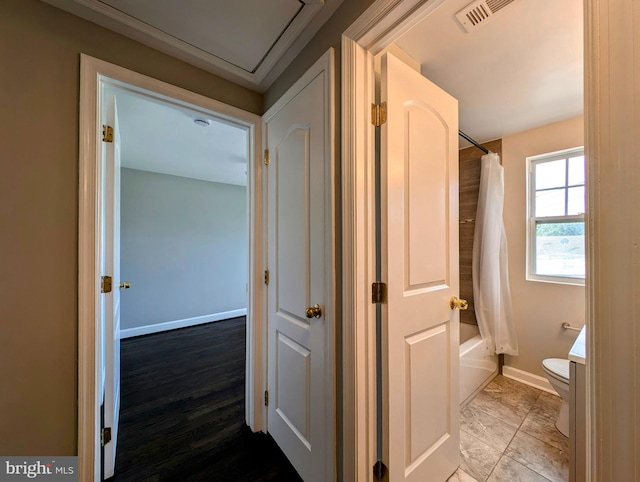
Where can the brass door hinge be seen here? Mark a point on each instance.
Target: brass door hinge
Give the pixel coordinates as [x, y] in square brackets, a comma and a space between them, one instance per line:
[378, 292]
[106, 284]
[107, 133]
[266, 398]
[379, 471]
[378, 114]
[266, 277]
[266, 157]
[105, 436]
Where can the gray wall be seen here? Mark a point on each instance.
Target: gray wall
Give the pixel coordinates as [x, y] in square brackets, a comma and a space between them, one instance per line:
[40, 50]
[183, 247]
[329, 35]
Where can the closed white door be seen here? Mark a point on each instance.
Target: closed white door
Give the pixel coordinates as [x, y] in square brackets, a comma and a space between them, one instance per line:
[111, 267]
[419, 209]
[300, 311]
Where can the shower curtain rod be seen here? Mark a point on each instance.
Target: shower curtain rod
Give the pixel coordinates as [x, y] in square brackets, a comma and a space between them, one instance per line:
[463, 135]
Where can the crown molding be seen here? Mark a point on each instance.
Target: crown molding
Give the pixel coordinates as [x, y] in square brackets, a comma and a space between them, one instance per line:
[297, 34]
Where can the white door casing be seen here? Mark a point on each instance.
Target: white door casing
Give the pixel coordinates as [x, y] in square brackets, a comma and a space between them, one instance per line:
[110, 261]
[298, 134]
[419, 248]
[95, 75]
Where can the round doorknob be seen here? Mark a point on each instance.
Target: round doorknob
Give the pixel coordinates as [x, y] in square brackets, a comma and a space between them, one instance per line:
[313, 312]
[460, 304]
[125, 285]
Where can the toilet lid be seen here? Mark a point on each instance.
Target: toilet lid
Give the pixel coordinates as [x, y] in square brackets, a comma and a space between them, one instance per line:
[557, 366]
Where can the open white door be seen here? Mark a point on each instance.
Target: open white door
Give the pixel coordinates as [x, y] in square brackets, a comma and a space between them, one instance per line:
[111, 267]
[300, 262]
[419, 248]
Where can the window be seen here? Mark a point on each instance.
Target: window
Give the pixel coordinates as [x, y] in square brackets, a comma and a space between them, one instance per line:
[556, 217]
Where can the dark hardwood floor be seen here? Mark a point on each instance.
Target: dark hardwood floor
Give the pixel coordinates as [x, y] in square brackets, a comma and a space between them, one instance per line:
[182, 410]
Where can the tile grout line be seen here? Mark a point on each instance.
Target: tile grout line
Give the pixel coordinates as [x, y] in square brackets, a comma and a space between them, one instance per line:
[533, 435]
[482, 441]
[510, 440]
[518, 430]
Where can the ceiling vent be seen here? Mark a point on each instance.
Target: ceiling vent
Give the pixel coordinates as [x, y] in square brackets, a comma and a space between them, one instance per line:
[478, 12]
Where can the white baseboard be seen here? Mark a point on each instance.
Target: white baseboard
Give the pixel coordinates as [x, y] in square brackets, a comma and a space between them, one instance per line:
[172, 325]
[527, 378]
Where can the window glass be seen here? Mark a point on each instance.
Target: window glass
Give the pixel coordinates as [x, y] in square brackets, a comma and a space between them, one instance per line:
[551, 174]
[560, 249]
[557, 206]
[550, 203]
[575, 200]
[576, 170]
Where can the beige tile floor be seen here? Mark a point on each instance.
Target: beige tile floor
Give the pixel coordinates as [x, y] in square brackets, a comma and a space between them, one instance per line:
[508, 434]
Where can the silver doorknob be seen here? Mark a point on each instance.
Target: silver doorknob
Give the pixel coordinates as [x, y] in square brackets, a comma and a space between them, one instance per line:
[313, 311]
[125, 285]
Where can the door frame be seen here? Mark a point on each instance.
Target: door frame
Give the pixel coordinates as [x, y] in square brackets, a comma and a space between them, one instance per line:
[95, 73]
[377, 28]
[325, 64]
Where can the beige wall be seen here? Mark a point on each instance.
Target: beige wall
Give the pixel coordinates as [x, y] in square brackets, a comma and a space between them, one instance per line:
[539, 308]
[329, 35]
[39, 76]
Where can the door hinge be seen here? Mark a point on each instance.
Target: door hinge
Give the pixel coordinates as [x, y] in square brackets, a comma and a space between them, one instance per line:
[266, 277]
[379, 470]
[378, 292]
[266, 157]
[105, 436]
[378, 114]
[266, 398]
[107, 133]
[106, 284]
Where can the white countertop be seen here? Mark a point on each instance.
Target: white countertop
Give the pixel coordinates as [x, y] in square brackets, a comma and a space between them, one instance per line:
[578, 351]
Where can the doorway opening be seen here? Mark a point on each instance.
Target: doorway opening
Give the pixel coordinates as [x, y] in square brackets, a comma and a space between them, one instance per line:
[512, 106]
[369, 36]
[98, 236]
[183, 253]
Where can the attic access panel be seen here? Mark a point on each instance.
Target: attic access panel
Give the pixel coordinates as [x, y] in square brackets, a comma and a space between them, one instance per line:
[220, 28]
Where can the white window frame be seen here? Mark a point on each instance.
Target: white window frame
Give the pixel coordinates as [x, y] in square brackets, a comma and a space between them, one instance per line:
[532, 219]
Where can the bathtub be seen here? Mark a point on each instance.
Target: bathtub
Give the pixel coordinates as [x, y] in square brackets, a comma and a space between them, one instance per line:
[476, 369]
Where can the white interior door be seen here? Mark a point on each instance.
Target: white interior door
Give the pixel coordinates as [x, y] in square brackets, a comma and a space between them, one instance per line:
[111, 267]
[419, 248]
[300, 348]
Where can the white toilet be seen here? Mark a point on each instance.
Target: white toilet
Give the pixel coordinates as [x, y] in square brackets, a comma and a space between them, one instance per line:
[557, 372]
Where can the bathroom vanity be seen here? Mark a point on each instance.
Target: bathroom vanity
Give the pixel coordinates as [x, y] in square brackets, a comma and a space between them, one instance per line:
[577, 410]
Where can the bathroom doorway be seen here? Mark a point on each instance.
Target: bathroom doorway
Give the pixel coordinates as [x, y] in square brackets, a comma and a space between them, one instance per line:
[358, 74]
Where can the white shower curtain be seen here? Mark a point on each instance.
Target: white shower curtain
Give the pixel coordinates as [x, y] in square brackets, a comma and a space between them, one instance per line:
[491, 293]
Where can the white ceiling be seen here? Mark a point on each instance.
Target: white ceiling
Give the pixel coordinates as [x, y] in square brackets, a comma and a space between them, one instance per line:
[249, 42]
[213, 26]
[161, 137]
[521, 69]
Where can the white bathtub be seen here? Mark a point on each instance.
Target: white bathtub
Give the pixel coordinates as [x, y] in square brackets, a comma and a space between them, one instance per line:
[476, 369]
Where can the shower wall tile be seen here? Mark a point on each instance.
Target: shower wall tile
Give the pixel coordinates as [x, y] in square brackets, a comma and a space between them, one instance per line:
[469, 174]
